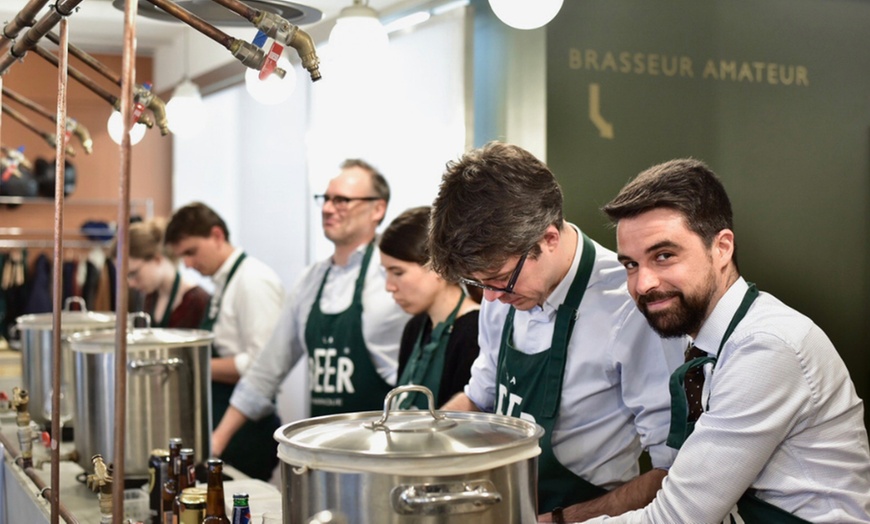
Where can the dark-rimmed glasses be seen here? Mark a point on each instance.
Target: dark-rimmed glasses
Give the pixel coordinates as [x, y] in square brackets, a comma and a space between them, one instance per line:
[512, 281]
[340, 202]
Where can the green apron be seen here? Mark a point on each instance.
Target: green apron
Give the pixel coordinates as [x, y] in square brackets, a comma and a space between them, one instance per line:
[164, 322]
[532, 385]
[749, 507]
[343, 378]
[426, 363]
[251, 450]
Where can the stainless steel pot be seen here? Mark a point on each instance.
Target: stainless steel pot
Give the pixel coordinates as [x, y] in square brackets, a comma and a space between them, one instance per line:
[168, 394]
[410, 466]
[37, 341]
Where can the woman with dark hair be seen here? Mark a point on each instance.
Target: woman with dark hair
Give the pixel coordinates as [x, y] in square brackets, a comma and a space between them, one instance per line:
[440, 343]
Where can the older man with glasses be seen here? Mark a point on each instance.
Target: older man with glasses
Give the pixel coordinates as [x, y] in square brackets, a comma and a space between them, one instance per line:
[339, 315]
[561, 342]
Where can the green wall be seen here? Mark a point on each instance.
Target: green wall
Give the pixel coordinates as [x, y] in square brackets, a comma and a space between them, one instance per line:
[773, 94]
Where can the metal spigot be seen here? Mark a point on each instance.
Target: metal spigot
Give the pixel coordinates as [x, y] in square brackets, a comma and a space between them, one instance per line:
[146, 97]
[288, 34]
[81, 132]
[101, 483]
[144, 118]
[20, 401]
[252, 56]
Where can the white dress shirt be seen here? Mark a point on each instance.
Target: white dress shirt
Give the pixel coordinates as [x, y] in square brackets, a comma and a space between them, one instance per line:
[249, 310]
[615, 399]
[382, 320]
[783, 419]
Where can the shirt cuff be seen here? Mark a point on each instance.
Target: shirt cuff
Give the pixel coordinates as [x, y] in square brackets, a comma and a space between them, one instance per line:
[243, 362]
[251, 403]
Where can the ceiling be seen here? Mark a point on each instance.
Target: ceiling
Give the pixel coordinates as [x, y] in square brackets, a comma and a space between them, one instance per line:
[97, 27]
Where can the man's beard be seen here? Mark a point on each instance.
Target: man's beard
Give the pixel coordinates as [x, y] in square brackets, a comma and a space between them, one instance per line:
[683, 318]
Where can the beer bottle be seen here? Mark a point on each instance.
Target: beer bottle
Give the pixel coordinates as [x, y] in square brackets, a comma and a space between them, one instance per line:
[157, 472]
[241, 510]
[215, 511]
[186, 479]
[170, 485]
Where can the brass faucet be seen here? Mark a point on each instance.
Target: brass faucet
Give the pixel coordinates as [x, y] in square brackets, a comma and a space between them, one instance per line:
[20, 401]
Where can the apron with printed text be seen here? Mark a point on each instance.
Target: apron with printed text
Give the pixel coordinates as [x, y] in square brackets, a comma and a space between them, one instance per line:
[252, 450]
[750, 508]
[530, 386]
[342, 376]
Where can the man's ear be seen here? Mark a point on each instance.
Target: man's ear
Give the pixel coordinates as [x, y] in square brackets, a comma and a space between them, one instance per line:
[380, 209]
[552, 237]
[217, 233]
[723, 248]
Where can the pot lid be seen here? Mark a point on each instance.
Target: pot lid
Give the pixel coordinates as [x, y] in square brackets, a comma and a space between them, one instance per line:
[447, 441]
[69, 320]
[140, 338]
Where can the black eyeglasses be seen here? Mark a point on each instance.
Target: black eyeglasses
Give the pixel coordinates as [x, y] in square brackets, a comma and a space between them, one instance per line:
[512, 281]
[340, 202]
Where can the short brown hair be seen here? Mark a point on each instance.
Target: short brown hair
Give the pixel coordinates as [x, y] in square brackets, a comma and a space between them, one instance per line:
[194, 220]
[407, 236]
[379, 183]
[685, 185]
[494, 203]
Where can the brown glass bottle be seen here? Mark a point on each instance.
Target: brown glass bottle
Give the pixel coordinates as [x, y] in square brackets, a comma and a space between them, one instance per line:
[170, 485]
[186, 478]
[215, 509]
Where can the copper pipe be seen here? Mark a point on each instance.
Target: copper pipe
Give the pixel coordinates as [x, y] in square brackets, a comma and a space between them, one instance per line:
[33, 475]
[48, 137]
[57, 270]
[245, 52]
[72, 125]
[128, 81]
[59, 10]
[23, 19]
[154, 102]
[282, 31]
[90, 84]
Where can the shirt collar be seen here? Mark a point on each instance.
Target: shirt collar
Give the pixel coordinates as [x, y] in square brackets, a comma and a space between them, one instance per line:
[355, 258]
[710, 336]
[561, 292]
[220, 276]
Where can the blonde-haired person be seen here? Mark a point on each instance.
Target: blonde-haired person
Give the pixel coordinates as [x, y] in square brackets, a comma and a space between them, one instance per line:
[171, 300]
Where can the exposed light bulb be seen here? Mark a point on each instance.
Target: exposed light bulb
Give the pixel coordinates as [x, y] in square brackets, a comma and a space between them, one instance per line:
[186, 111]
[274, 89]
[115, 126]
[358, 37]
[526, 14]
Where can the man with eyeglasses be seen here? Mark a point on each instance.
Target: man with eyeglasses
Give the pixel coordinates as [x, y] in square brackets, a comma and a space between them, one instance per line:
[242, 314]
[339, 315]
[561, 342]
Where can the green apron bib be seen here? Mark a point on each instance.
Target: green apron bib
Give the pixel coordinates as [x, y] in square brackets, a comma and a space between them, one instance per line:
[164, 322]
[532, 385]
[426, 363]
[249, 450]
[751, 509]
[343, 378]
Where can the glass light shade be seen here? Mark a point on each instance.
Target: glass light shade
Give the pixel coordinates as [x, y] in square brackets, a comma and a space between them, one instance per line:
[526, 14]
[186, 112]
[274, 89]
[358, 35]
[115, 126]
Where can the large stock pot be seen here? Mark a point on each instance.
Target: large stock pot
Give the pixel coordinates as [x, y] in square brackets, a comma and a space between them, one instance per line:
[410, 466]
[37, 341]
[168, 394]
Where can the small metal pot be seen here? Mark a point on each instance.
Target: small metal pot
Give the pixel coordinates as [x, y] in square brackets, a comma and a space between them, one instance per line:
[37, 341]
[410, 466]
[168, 394]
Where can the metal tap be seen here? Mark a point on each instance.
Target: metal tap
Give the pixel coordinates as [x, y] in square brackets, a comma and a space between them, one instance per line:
[100, 482]
[81, 132]
[288, 34]
[20, 401]
[252, 56]
[153, 102]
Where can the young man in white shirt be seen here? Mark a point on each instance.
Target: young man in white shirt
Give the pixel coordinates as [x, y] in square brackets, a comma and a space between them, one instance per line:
[765, 416]
[561, 342]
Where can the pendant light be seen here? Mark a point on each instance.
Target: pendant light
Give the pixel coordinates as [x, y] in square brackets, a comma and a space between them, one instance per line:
[186, 112]
[526, 14]
[115, 126]
[358, 35]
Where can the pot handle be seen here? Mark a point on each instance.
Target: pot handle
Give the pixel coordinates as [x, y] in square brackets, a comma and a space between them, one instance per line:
[143, 315]
[441, 499]
[154, 366]
[78, 300]
[388, 401]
